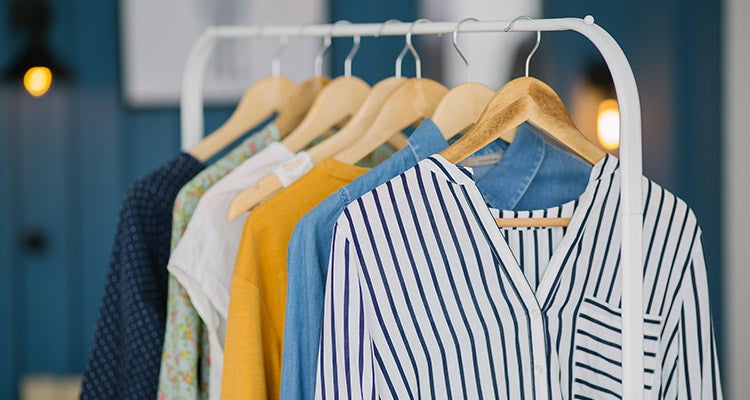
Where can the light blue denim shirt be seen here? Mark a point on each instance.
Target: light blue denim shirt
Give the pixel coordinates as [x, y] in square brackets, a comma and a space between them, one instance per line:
[531, 174]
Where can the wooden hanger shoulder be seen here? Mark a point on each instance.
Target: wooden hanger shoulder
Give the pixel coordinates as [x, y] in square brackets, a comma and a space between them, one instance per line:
[521, 100]
[359, 123]
[408, 104]
[295, 109]
[549, 114]
[532, 222]
[338, 101]
[461, 107]
[259, 102]
[250, 197]
[266, 187]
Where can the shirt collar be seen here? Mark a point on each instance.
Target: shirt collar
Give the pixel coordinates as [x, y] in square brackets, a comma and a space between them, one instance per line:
[426, 140]
[506, 183]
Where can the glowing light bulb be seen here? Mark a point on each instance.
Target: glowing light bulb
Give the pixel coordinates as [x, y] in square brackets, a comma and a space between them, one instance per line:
[37, 80]
[608, 124]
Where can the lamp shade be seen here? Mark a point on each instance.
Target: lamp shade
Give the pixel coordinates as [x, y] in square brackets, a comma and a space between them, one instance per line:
[33, 17]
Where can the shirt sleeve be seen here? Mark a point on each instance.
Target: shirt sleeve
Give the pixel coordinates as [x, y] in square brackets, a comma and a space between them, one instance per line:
[698, 361]
[253, 345]
[125, 356]
[346, 359]
[179, 374]
[304, 309]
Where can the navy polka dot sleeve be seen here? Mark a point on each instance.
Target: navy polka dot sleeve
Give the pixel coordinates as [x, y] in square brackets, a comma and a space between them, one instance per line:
[126, 351]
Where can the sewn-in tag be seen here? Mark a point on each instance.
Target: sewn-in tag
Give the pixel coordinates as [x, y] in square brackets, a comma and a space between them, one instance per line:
[293, 169]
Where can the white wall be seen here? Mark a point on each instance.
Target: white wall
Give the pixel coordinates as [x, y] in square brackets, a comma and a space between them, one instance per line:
[489, 67]
[737, 198]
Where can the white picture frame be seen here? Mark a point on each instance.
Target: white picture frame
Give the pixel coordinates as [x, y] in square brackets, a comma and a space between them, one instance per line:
[156, 38]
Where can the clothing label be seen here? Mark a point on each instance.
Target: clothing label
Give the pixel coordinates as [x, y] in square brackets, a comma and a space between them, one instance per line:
[293, 169]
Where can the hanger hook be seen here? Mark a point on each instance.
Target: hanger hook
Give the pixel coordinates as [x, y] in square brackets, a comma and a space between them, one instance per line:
[276, 62]
[352, 53]
[410, 47]
[298, 35]
[327, 40]
[538, 39]
[455, 46]
[380, 32]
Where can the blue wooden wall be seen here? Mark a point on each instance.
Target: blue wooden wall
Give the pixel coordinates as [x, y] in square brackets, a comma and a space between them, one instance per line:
[66, 161]
[674, 48]
[376, 57]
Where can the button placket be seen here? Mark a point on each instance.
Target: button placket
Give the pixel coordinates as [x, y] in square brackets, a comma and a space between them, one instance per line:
[539, 348]
[538, 333]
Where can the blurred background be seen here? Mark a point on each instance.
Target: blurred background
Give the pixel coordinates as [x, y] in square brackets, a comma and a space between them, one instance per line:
[104, 111]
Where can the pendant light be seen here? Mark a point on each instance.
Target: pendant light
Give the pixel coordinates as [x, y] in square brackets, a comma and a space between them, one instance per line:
[34, 67]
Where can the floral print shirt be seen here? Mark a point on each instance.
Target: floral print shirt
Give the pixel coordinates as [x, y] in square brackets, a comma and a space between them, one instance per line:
[186, 362]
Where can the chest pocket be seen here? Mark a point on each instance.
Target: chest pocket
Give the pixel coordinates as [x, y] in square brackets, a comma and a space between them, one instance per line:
[597, 353]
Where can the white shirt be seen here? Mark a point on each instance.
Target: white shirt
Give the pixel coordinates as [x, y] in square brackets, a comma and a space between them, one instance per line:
[204, 259]
[428, 298]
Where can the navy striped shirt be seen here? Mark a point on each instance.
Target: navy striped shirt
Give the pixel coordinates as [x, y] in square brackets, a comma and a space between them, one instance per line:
[427, 298]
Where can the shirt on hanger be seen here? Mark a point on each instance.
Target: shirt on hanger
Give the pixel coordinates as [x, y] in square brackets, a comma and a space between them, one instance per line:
[532, 173]
[428, 298]
[186, 347]
[124, 359]
[204, 258]
[252, 367]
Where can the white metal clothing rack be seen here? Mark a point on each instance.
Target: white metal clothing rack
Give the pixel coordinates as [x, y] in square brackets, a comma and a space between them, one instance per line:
[191, 115]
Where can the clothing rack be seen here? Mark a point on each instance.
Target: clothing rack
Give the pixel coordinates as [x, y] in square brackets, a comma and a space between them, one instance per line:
[191, 116]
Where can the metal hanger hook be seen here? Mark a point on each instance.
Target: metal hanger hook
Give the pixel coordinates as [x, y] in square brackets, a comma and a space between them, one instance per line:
[382, 27]
[380, 32]
[410, 47]
[538, 39]
[352, 53]
[455, 46]
[276, 62]
[299, 33]
[327, 41]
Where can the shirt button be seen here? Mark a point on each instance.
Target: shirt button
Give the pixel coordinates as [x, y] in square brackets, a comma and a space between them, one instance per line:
[539, 369]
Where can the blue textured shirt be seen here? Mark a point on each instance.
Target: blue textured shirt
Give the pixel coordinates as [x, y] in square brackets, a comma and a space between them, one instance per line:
[531, 174]
[126, 352]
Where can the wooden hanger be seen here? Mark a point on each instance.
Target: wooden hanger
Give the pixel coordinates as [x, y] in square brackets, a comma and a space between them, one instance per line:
[522, 100]
[360, 122]
[354, 129]
[408, 100]
[462, 106]
[259, 102]
[293, 112]
[336, 103]
[270, 184]
[410, 103]
[295, 109]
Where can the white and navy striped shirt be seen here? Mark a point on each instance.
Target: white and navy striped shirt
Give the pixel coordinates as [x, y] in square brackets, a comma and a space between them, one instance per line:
[428, 298]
